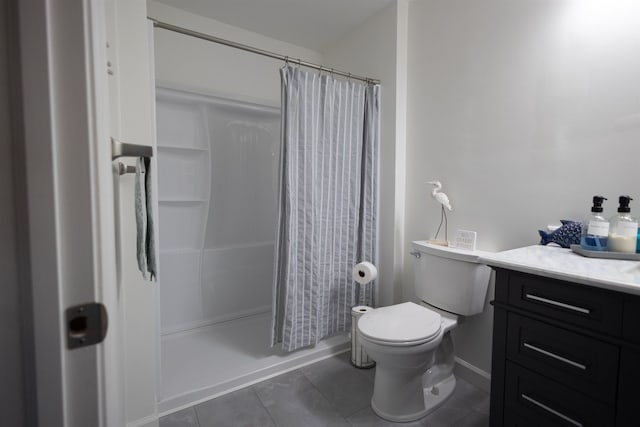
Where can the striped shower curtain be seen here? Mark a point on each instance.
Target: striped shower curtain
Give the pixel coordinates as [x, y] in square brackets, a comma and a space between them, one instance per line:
[327, 205]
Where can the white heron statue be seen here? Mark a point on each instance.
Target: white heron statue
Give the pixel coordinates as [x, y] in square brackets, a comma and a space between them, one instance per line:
[440, 197]
[443, 199]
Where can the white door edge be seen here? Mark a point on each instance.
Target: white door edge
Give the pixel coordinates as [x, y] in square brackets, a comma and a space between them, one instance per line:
[70, 208]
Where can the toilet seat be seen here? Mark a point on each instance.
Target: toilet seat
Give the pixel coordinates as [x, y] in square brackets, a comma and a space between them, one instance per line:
[405, 324]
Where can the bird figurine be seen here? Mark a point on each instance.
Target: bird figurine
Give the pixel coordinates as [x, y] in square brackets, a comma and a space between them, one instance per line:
[440, 197]
[443, 199]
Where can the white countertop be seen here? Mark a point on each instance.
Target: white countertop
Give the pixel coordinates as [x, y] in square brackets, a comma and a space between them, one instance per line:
[563, 264]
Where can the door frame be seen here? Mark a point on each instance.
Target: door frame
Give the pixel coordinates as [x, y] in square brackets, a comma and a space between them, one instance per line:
[70, 231]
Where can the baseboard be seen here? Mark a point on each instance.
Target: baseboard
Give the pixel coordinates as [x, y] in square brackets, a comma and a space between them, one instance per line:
[472, 374]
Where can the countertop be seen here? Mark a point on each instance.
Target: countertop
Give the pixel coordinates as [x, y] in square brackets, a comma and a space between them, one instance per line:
[563, 264]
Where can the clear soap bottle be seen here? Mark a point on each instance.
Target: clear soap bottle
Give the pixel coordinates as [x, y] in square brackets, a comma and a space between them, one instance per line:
[623, 229]
[595, 229]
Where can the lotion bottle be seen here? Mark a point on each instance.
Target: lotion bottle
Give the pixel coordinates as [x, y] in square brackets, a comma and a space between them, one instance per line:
[595, 229]
[623, 229]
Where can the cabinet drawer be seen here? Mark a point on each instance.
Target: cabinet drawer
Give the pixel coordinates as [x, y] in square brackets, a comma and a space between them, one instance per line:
[575, 304]
[542, 402]
[577, 361]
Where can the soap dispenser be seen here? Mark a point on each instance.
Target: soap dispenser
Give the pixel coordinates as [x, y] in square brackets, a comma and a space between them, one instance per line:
[595, 229]
[623, 229]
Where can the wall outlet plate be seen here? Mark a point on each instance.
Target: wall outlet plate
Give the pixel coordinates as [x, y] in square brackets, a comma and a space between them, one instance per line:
[465, 239]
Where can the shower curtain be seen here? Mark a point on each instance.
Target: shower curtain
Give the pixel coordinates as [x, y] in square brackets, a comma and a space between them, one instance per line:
[327, 202]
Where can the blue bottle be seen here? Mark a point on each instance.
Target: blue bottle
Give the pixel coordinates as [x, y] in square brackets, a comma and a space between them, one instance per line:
[595, 229]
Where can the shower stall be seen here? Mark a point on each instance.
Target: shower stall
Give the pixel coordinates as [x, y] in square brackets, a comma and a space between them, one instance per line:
[217, 184]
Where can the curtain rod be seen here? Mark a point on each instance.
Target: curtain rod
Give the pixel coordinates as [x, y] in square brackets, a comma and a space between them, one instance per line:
[186, 31]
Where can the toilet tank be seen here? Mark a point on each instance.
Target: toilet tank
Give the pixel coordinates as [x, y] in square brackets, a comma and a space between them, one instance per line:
[450, 279]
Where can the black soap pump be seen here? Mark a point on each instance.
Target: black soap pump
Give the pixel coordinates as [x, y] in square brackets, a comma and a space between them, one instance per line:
[595, 229]
[623, 229]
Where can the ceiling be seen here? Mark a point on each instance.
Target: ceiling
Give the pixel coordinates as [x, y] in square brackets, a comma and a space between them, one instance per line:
[314, 24]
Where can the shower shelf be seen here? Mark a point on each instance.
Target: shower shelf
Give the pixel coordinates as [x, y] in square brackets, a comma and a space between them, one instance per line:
[174, 200]
[181, 148]
[180, 251]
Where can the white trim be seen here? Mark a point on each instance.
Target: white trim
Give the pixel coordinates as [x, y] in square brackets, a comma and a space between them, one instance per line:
[156, 214]
[39, 173]
[110, 360]
[472, 374]
[70, 225]
[148, 421]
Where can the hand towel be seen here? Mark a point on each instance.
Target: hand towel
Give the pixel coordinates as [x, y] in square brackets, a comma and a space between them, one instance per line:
[145, 235]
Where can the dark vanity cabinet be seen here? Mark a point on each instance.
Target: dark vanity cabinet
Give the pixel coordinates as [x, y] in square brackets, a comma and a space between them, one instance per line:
[564, 354]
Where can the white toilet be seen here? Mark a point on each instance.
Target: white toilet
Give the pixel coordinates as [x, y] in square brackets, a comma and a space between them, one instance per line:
[411, 343]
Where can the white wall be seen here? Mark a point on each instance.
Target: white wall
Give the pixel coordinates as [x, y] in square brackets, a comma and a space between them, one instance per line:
[190, 63]
[524, 110]
[11, 377]
[377, 49]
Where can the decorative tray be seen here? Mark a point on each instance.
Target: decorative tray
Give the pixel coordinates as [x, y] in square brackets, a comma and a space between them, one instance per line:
[605, 255]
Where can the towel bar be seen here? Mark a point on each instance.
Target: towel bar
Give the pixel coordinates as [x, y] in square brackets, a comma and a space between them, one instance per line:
[124, 169]
[124, 149]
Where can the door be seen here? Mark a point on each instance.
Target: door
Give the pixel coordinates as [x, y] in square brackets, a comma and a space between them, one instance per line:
[70, 205]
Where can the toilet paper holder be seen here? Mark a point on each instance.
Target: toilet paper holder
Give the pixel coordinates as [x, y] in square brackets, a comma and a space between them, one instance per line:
[359, 357]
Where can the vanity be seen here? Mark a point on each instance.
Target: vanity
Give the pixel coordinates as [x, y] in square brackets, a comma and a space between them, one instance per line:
[566, 339]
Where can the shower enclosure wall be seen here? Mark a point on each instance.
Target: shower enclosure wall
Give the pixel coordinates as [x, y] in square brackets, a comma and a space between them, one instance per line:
[217, 178]
[218, 171]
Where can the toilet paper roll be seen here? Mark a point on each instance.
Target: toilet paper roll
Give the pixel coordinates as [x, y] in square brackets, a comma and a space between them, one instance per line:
[359, 310]
[364, 272]
[359, 357]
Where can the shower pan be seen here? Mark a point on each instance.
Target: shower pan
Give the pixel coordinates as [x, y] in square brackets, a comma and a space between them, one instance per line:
[217, 178]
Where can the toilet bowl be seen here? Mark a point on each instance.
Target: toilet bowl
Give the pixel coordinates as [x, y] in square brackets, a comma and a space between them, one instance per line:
[402, 339]
[412, 343]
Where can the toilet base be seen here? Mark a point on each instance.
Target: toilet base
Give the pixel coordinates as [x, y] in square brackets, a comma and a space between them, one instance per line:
[434, 397]
[439, 393]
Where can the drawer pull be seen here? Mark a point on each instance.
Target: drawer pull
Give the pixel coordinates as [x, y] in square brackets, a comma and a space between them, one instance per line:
[551, 410]
[558, 304]
[555, 356]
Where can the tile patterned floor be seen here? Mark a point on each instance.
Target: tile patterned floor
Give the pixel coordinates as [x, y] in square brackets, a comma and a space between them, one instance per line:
[330, 393]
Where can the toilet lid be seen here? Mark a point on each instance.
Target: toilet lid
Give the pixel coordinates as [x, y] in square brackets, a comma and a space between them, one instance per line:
[400, 323]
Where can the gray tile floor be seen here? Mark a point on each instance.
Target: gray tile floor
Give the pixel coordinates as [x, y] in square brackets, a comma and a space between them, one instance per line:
[330, 393]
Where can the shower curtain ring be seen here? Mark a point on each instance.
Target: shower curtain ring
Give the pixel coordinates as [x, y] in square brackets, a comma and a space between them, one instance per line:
[286, 61]
[299, 63]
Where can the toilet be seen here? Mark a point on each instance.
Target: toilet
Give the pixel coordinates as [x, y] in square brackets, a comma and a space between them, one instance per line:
[411, 343]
